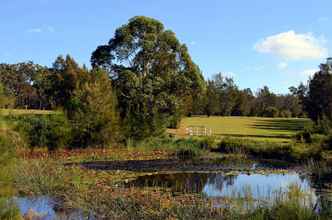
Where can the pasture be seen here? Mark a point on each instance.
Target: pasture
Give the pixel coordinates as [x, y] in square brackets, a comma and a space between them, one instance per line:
[272, 129]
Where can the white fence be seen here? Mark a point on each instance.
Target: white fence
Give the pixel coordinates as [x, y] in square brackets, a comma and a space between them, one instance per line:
[198, 131]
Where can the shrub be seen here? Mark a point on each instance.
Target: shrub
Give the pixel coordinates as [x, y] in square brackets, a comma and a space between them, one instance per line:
[185, 153]
[323, 126]
[328, 142]
[51, 131]
[208, 143]
[304, 136]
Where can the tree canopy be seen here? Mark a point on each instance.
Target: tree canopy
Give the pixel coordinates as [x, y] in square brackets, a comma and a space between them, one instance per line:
[152, 72]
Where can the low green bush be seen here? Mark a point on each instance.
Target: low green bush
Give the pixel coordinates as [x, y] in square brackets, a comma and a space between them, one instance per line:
[186, 153]
[304, 136]
[51, 131]
[208, 143]
[327, 143]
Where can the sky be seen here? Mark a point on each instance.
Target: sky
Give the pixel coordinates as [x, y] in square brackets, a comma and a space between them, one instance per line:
[257, 42]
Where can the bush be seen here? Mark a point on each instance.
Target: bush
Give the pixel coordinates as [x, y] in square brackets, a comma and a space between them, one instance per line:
[323, 126]
[186, 153]
[51, 131]
[327, 143]
[208, 143]
[304, 136]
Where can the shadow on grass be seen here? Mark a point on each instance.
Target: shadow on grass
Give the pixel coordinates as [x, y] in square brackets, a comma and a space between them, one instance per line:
[281, 136]
[289, 125]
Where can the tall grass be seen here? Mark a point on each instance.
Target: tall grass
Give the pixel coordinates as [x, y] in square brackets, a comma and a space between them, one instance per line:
[8, 143]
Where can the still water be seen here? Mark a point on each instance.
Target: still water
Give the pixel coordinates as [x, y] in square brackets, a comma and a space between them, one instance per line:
[212, 185]
[260, 186]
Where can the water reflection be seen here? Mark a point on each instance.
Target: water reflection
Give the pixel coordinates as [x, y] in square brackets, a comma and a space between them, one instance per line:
[260, 186]
[44, 208]
[213, 185]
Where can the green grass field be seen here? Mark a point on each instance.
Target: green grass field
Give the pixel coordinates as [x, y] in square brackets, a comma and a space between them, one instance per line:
[273, 129]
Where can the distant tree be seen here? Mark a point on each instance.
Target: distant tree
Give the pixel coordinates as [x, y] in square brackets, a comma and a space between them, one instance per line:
[18, 81]
[59, 83]
[244, 103]
[289, 105]
[264, 99]
[301, 92]
[212, 106]
[270, 112]
[227, 94]
[153, 75]
[5, 100]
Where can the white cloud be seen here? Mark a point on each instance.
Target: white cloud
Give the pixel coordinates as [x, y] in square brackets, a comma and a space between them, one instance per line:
[282, 65]
[229, 74]
[294, 46]
[49, 29]
[35, 30]
[323, 19]
[309, 72]
[193, 43]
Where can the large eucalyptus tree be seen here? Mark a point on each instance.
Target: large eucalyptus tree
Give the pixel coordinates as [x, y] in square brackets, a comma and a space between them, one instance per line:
[153, 74]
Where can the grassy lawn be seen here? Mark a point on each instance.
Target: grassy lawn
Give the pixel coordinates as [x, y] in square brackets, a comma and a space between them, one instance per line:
[5, 112]
[272, 129]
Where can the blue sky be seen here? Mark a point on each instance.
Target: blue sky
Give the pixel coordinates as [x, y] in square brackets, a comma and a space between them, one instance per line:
[258, 42]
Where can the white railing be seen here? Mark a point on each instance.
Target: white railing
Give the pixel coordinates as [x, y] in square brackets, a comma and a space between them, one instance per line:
[198, 131]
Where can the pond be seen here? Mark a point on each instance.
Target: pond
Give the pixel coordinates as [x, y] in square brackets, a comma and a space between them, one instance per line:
[260, 186]
[260, 181]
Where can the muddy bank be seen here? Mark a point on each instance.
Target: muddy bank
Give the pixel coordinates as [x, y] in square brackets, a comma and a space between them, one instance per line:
[175, 165]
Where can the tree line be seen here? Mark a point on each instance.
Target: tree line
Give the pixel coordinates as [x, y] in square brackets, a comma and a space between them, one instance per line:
[222, 97]
[143, 81]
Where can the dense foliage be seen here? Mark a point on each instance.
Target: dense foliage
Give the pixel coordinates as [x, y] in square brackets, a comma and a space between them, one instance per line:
[223, 97]
[153, 75]
[51, 131]
[92, 112]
